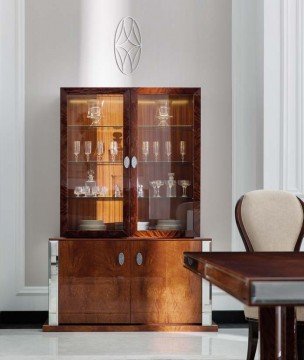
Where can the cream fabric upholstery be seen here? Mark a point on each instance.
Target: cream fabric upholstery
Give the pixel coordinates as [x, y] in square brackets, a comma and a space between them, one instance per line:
[252, 312]
[273, 221]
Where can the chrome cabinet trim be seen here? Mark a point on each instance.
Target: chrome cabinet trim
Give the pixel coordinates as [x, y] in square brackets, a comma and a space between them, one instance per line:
[206, 291]
[121, 258]
[139, 259]
[277, 292]
[53, 262]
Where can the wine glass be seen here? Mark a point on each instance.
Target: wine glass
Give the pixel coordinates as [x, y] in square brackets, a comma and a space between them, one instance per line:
[88, 149]
[86, 191]
[113, 150]
[153, 184]
[168, 148]
[156, 149]
[145, 150]
[78, 191]
[182, 149]
[100, 149]
[103, 190]
[95, 190]
[76, 149]
[158, 183]
[184, 184]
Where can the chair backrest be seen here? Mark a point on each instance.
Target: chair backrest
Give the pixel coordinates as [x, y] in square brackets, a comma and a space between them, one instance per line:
[270, 220]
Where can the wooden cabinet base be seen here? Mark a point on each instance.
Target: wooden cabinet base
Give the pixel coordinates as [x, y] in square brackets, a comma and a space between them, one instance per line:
[126, 328]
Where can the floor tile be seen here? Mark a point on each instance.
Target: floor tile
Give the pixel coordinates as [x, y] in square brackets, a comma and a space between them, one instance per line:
[228, 344]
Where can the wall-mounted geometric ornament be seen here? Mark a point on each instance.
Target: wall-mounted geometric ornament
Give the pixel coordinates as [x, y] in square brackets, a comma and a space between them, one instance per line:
[127, 45]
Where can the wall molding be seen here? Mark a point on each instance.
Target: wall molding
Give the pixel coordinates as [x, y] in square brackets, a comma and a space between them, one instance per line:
[20, 239]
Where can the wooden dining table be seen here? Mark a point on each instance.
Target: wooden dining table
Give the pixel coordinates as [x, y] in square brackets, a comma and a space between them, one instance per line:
[273, 281]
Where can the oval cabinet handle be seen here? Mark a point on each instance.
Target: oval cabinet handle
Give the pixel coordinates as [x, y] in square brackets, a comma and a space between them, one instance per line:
[126, 162]
[121, 258]
[134, 162]
[139, 259]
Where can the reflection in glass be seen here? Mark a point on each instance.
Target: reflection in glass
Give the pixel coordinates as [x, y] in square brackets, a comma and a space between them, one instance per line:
[182, 149]
[156, 149]
[100, 150]
[76, 149]
[145, 150]
[140, 191]
[113, 150]
[184, 184]
[168, 148]
[88, 149]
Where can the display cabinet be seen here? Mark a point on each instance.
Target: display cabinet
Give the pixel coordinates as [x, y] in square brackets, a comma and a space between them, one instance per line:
[130, 162]
[130, 203]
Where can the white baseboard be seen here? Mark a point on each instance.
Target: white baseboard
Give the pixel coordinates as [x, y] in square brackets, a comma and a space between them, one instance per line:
[33, 290]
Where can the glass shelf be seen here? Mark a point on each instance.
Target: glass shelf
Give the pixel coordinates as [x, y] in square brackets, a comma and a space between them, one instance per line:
[166, 162]
[98, 198]
[155, 127]
[94, 126]
[166, 198]
[95, 162]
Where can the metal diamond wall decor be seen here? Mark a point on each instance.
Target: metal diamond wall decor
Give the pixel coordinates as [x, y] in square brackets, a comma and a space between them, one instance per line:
[127, 45]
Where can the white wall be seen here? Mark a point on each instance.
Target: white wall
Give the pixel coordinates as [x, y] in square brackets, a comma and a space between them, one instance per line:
[70, 43]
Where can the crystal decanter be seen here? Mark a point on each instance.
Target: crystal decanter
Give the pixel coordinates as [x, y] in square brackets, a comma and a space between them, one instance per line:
[90, 182]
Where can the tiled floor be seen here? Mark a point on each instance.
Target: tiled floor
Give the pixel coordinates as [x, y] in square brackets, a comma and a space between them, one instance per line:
[228, 344]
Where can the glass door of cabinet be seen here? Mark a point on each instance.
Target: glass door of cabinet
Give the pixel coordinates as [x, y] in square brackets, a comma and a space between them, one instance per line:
[95, 183]
[167, 172]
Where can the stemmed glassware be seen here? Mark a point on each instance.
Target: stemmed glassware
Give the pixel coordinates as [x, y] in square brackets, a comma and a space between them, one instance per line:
[184, 184]
[156, 149]
[153, 184]
[113, 150]
[168, 148]
[182, 149]
[158, 183]
[88, 149]
[86, 191]
[76, 149]
[100, 150]
[103, 190]
[145, 150]
[78, 191]
[95, 190]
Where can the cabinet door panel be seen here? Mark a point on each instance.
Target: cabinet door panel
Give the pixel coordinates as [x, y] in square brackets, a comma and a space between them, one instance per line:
[93, 286]
[162, 290]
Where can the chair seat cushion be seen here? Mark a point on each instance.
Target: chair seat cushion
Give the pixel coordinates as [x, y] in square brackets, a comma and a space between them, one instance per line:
[252, 312]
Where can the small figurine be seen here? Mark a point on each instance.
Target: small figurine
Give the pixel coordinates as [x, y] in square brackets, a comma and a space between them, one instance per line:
[117, 191]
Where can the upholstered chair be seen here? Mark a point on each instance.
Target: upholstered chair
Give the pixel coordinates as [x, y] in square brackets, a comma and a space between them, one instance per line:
[270, 221]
